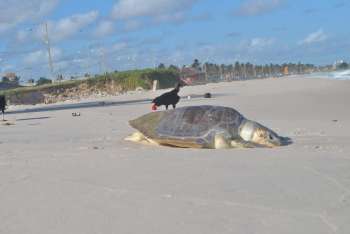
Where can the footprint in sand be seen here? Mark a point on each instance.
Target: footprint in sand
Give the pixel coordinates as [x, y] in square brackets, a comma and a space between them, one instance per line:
[7, 123]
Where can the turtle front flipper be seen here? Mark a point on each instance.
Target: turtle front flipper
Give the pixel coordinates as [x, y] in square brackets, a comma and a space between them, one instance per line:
[140, 138]
[221, 141]
[240, 143]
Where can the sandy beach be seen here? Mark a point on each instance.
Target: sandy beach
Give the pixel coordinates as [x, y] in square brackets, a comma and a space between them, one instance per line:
[76, 175]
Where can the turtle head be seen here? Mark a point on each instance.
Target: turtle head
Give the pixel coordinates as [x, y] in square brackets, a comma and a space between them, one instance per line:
[254, 132]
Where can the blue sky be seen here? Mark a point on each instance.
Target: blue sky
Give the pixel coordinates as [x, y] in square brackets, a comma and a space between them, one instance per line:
[96, 36]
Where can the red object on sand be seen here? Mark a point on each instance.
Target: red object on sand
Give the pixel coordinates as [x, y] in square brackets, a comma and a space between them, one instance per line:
[154, 107]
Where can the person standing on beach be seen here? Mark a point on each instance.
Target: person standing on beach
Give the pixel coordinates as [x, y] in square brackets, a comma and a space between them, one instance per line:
[2, 105]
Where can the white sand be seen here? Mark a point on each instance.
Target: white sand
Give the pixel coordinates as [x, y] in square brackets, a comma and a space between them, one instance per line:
[76, 175]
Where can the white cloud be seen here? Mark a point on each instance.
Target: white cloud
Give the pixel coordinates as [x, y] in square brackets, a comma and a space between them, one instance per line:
[14, 12]
[261, 42]
[119, 46]
[255, 44]
[22, 35]
[314, 37]
[257, 7]
[34, 57]
[41, 56]
[177, 17]
[125, 9]
[202, 16]
[104, 28]
[132, 25]
[7, 67]
[63, 28]
[6, 26]
[67, 27]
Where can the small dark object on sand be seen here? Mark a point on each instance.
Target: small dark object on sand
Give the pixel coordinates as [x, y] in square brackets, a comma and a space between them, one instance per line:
[207, 95]
[335, 120]
[75, 114]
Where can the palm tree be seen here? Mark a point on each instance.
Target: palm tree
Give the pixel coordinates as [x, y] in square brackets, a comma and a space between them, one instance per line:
[196, 64]
[237, 70]
[173, 67]
[161, 66]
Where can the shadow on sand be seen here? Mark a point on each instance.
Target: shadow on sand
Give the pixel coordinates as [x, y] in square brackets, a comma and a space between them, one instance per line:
[36, 118]
[98, 104]
[78, 106]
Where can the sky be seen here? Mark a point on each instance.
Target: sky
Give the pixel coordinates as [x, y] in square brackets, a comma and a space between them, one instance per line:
[87, 36]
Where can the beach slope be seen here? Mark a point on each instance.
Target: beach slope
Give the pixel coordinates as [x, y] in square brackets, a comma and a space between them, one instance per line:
[76, 175]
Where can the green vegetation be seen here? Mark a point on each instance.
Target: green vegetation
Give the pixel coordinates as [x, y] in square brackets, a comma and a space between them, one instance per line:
[343, 66]
[199, 72]
[43, 80]
[47, 87]
[128, 80]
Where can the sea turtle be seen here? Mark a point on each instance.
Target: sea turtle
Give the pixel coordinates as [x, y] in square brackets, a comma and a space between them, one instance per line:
[203, 127]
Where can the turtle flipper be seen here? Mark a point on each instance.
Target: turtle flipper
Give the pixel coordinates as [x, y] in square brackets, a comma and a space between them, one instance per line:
[240, 143]
[140, 138]
[221, 142]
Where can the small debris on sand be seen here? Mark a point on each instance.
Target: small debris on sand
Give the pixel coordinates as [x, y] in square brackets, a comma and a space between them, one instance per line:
[207, 95]
[6, 123]
[75, 114]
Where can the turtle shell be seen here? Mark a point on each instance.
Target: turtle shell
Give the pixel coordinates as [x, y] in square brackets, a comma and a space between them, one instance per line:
[193, 126]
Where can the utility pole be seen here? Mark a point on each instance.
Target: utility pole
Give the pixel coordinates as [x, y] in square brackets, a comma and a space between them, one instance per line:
[102, 62]
[221, 73]
[47, 42]
[205, 72]
[244, 71]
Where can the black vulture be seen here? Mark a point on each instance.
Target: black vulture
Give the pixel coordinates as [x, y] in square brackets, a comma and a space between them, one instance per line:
[168, 98]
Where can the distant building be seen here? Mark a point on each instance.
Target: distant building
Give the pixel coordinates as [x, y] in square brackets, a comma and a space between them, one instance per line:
[10, 77]
[337, 63]
[191, 75]
[30, 82]
[9, 81]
